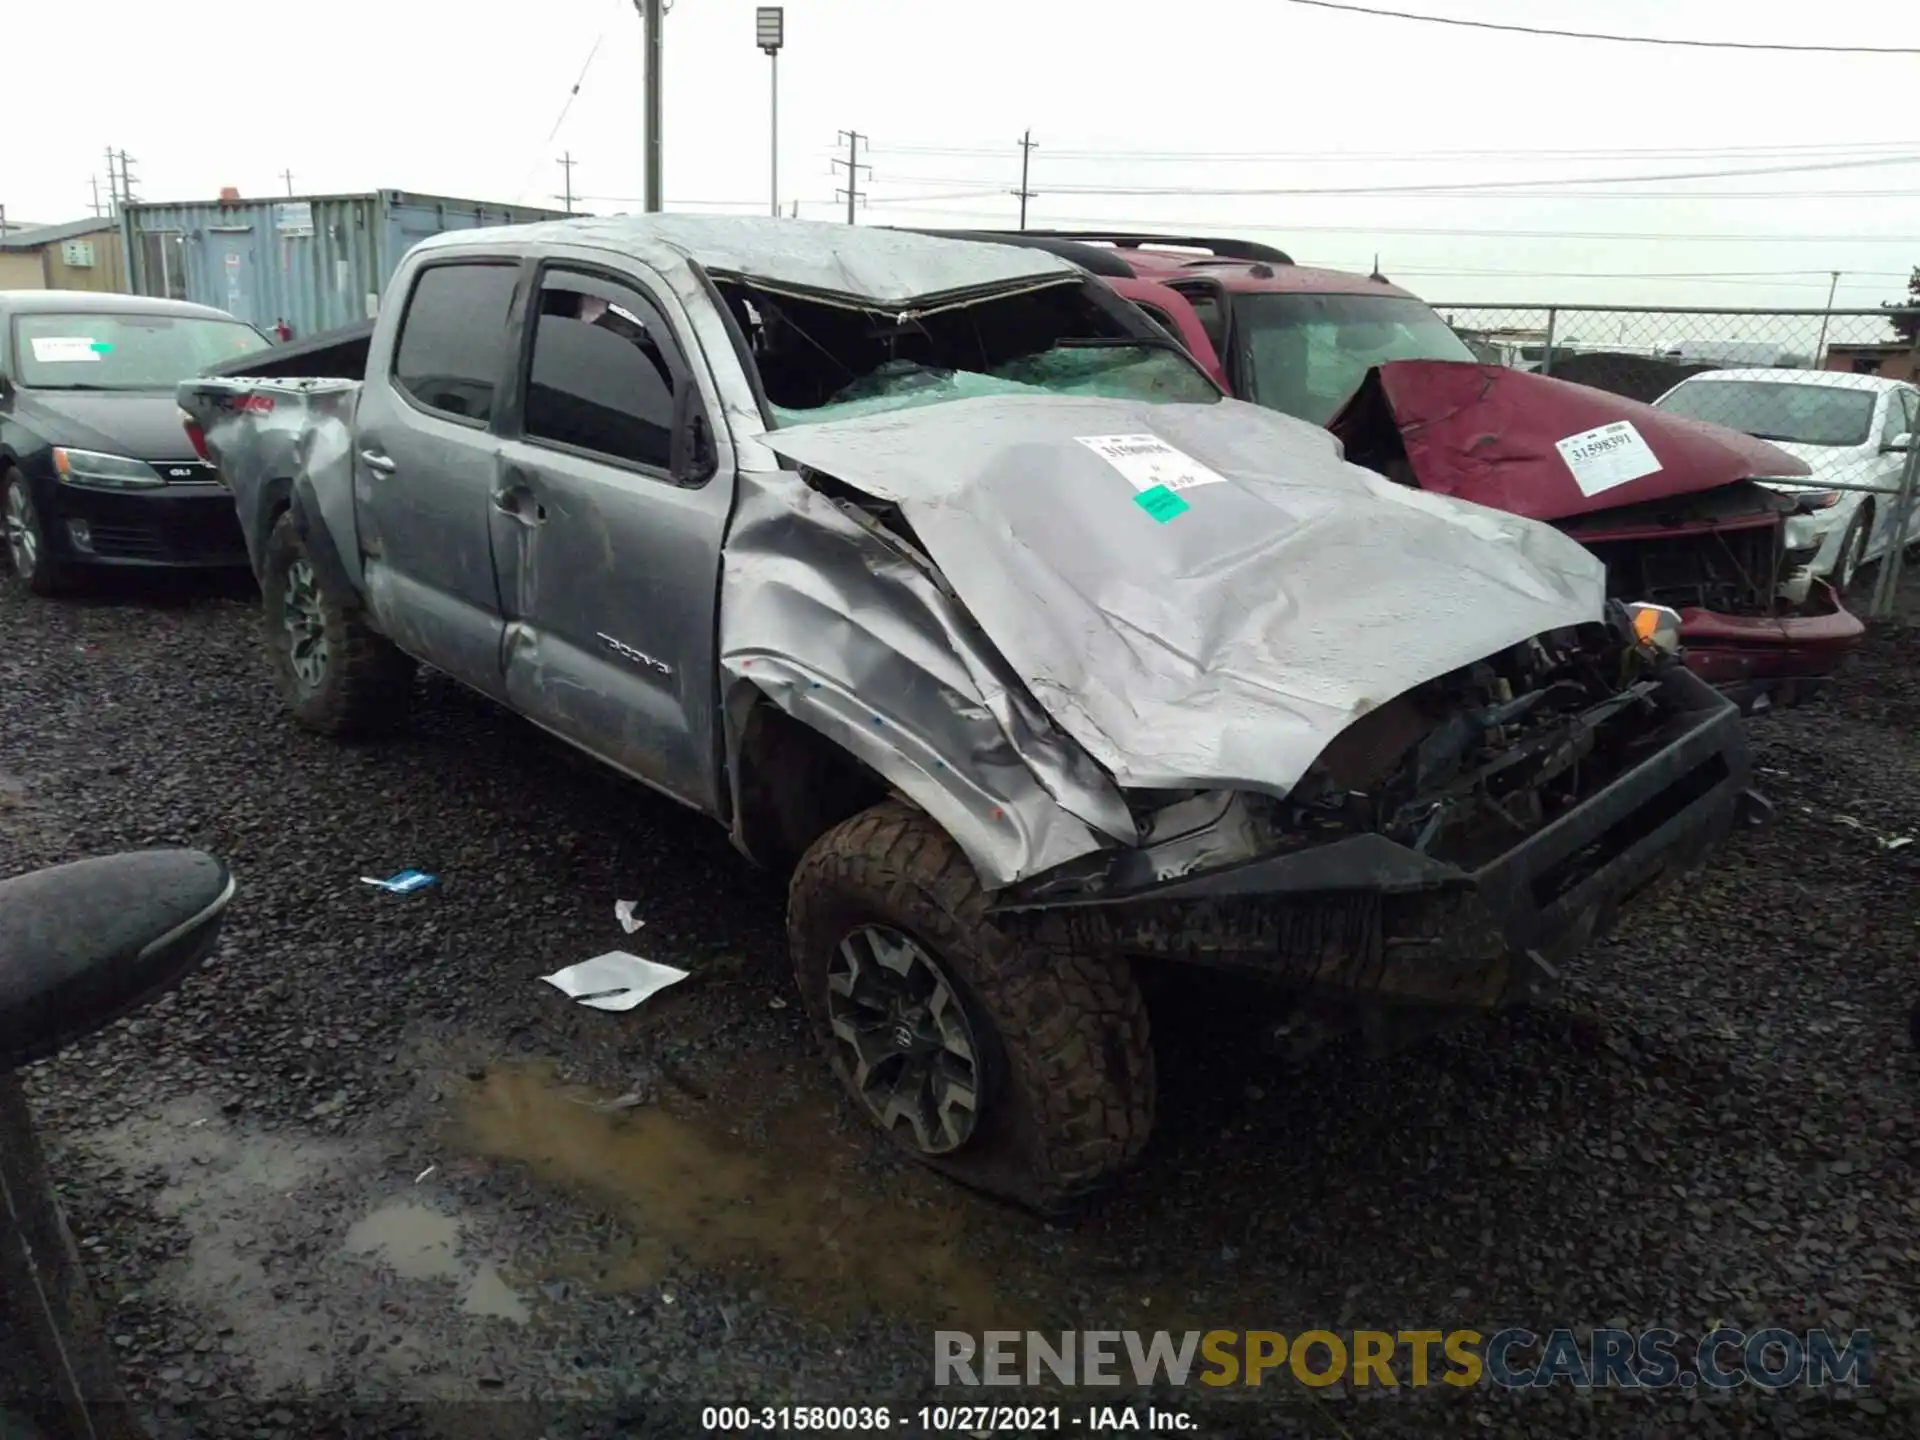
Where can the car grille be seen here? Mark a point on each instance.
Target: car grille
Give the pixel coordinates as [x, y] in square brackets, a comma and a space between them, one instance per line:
[187, 541]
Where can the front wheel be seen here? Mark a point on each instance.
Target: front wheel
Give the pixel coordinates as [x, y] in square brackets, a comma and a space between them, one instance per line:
[27, 549]
[336, 675]
[1021, 1071]
[1853, 549]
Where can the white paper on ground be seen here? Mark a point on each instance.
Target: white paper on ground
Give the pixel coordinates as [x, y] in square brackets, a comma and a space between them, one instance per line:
[614, 981]
[623, 912]
[1605, 457]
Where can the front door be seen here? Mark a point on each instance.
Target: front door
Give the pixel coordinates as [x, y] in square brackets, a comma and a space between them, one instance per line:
[1902, 418]
[427, 463]
[609, 568]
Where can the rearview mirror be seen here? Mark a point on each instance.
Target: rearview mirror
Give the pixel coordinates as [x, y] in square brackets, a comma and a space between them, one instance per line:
[1902, 441]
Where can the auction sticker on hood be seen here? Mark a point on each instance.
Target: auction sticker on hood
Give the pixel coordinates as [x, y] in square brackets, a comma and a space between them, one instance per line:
[1150, 463]
[1609, 456]
[60, 349]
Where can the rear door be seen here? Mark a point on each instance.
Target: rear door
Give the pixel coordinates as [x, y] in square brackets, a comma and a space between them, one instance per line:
[607, 547]
[428, 461]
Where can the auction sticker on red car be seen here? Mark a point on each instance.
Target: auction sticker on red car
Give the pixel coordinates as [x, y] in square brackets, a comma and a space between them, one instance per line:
[1608, 456]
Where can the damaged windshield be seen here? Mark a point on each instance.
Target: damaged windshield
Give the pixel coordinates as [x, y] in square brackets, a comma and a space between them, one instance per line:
[1307, 353]
[830, 361]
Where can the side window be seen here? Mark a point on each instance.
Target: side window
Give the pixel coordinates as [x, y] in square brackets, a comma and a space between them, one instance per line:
[1160, 318]
[1207, 309]
[453, 338]
[1909, 411]
[1897, 419]
[600, 380]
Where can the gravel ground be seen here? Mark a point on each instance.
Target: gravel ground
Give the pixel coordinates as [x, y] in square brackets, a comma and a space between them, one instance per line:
[365, 1157]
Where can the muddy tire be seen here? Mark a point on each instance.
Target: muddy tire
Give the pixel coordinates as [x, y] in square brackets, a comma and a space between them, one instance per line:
[27, 554]
[1020, 1071]
[336, 675]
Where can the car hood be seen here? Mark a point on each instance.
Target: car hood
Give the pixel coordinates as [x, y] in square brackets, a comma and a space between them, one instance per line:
[1826, 462]
[143, 424]
[1535, 446]
[1216, 624]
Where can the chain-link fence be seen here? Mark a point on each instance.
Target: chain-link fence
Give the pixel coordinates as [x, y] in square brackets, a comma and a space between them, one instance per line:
[1838, 389]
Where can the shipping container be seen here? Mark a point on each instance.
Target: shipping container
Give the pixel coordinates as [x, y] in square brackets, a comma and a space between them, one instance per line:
[317, 262]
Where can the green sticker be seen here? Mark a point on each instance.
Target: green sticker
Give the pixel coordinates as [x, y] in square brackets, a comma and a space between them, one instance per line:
[1161, 503]
[101, 347]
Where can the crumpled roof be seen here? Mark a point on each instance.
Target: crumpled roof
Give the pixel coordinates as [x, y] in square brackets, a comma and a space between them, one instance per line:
[890, 267]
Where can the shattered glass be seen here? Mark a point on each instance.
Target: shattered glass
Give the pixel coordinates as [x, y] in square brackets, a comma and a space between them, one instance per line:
[1116, 372]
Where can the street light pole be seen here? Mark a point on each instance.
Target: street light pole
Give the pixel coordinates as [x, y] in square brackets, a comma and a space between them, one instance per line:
[769, 33]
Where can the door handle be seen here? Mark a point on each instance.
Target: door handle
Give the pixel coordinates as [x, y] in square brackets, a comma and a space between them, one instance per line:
[518, 502]
[374, 460]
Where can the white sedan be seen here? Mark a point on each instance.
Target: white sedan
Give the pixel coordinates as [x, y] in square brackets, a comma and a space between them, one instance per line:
[1850, 429]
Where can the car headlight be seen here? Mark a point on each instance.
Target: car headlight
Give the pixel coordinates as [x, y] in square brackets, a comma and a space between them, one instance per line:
[1656, 626]
[1805, 532]
[105, 472]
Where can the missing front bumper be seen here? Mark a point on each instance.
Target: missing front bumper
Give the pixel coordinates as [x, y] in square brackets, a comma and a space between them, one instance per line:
[1367, 917]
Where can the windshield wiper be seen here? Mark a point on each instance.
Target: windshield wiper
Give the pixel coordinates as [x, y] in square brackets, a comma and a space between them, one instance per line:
[75, 385]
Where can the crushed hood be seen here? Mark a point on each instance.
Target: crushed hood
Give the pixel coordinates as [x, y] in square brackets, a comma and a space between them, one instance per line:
[1544, 448]
[1205, 594]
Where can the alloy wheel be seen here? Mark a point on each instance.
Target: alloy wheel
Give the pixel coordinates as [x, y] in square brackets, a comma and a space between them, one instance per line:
[906, 1039]
[305, 624]
[23, 537]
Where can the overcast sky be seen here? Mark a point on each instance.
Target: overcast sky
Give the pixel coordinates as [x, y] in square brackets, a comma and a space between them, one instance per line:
[457, 100]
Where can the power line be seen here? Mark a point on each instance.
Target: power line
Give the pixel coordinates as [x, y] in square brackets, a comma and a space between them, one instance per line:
[1189, 225]
[566, 106]
[1751, 152]
[1428, 188]
[1615, 39]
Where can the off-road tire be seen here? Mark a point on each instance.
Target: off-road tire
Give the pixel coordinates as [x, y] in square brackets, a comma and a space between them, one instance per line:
[49, 577]
[366, 687]
[1067, 1070]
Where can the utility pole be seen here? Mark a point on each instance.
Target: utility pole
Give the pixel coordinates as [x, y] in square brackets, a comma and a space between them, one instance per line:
[854, 167]
[1820, 346]
[113, 183]
[94, 181]
[652, 14]
[566, 166]
[126, 180]
[287, 175]
[1026, 155]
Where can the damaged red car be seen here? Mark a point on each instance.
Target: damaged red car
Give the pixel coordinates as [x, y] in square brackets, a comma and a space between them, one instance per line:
[1673, 506]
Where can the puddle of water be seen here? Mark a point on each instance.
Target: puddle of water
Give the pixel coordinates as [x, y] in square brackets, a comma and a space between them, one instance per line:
[490, 1297]
[418, 1242]
[797, 1218]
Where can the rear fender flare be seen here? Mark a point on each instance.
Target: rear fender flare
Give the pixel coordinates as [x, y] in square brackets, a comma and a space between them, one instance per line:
[318, 541]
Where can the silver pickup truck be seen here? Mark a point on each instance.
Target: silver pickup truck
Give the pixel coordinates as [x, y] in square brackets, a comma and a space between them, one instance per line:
[947, 583]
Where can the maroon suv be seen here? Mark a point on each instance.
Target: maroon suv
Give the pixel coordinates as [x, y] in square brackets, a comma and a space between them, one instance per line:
[1671, 505]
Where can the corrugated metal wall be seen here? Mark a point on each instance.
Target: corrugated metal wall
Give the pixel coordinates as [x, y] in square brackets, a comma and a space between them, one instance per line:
[318, 262]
